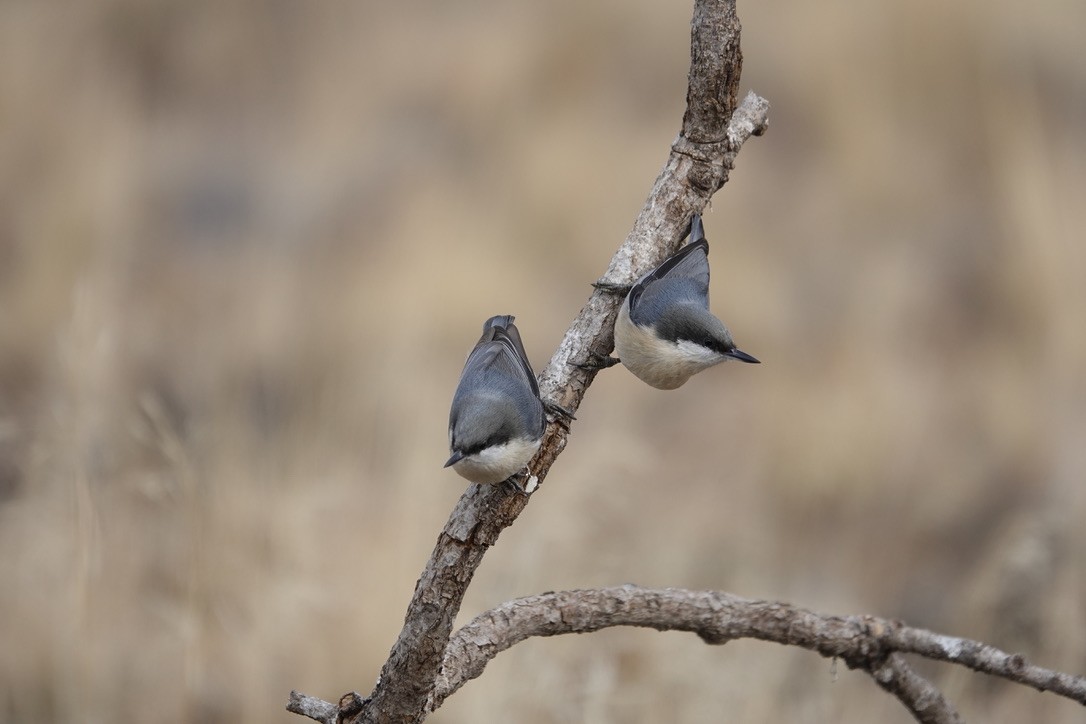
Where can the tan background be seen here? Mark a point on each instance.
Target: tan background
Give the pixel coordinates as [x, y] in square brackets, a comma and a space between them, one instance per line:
[245, 247]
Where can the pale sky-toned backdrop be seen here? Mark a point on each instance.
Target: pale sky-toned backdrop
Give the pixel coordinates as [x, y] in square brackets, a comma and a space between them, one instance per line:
[245, 247]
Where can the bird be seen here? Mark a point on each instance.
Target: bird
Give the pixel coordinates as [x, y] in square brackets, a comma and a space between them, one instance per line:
[665, 333]
[497, 419]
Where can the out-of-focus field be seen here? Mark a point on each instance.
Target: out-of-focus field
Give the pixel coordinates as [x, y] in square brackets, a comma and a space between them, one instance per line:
[245, 247]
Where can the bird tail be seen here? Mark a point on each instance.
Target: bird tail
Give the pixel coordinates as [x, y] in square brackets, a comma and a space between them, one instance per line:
[501, 321]
[697, 231]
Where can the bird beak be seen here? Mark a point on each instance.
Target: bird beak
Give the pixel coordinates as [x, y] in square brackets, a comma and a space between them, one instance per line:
[454, 459]
[741, 356]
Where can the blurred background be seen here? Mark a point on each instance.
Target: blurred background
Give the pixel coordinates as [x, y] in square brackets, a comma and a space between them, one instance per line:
[246, 246]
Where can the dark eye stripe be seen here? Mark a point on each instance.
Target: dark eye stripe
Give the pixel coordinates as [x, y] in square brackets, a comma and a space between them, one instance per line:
[492, 441]
[705, 341]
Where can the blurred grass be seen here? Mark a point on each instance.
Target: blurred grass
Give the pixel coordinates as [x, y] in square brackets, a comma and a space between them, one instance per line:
[245, 246]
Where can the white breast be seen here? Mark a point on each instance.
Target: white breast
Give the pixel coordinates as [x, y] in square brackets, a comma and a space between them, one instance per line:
[497, 463]
[663, 365]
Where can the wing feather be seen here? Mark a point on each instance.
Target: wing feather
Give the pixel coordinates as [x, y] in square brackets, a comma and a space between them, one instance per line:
[688, 269]
[500, 350]
[683, 277]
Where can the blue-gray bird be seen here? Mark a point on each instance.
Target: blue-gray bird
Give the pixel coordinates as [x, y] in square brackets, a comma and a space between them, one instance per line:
[665, 332]
[497, 419]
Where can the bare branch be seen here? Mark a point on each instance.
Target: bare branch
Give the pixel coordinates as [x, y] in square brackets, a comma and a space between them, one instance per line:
[715, 64]
[926, 703]
[987, 660]
[863, 642]
[697, 166]
[317, 709]
[426, 666]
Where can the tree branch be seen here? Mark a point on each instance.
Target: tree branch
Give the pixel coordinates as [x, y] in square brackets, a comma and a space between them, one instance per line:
[716, 62]
[426, 666]
[862, 642]
[698, 165]
[987, 659]
[316, 709]
[923, 700]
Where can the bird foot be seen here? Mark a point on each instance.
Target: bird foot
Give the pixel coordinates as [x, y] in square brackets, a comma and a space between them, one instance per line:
[619, 290]
[523, 483]
[597, 362]
[516, 488]
[558, 414]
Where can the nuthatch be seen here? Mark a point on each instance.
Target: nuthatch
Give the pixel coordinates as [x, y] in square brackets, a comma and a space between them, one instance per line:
[497, 419]
[665, 332]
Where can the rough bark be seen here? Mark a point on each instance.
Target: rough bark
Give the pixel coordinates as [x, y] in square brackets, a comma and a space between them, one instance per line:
[872, 644]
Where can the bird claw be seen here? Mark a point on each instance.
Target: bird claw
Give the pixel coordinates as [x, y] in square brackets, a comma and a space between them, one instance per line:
[597, 362]
[516, 487]
[619, 290]
[558, 414]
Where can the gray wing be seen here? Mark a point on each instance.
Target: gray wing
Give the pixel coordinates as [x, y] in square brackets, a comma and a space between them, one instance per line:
[681, 279]
[497, 371]
[500, 350]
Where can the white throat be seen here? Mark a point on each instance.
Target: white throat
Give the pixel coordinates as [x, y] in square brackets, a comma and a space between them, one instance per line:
[664, 365]
[498, 462]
